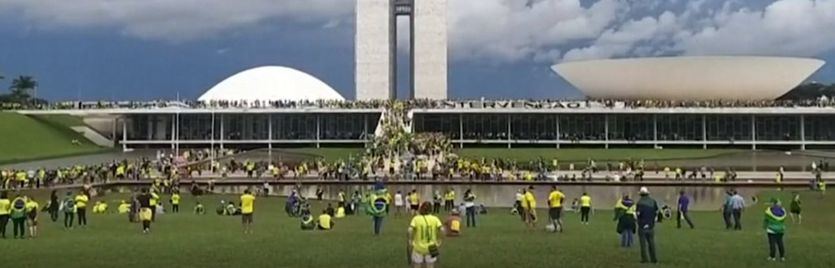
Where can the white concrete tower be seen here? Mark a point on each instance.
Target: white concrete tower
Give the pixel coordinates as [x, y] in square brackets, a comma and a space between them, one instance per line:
[375, 50]
[429, 48]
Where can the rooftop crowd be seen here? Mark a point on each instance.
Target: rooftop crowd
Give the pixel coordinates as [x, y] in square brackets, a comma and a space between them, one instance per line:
[823, 101]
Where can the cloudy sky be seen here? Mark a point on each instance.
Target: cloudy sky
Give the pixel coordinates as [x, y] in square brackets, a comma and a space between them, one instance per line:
[148, 49]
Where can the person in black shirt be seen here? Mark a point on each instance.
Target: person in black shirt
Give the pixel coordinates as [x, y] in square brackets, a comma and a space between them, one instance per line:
[144, 200]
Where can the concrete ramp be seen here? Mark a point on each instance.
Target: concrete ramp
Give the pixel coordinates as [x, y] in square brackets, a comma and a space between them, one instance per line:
[93, 136]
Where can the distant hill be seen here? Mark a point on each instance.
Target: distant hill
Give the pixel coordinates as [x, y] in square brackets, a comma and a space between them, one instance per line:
[809, 91]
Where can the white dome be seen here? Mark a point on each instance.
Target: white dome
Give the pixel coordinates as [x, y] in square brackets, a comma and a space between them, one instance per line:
[271, 83]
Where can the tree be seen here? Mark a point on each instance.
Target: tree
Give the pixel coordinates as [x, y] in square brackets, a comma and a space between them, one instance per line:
[22, 87]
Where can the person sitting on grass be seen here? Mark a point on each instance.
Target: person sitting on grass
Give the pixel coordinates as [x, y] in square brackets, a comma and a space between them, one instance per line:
[330, 211]
[307, 222]
[453, 223]
[124, 207]
[221, 209]
[100, 207]
[199, 209]
[325, 221]
[340, 213]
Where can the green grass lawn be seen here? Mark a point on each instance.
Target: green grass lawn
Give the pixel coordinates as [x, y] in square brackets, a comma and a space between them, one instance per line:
[578, 155]
[27, 138]
[188, 240]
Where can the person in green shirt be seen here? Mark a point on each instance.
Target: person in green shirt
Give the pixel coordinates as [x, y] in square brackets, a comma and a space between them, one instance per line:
[69, 210]
[18, 216]
[775, 227]
[5, 209]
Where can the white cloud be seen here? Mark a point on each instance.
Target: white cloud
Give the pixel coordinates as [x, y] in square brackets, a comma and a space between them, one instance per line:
[493, 30]
[509, 30]
[785, 27]
[173, 20]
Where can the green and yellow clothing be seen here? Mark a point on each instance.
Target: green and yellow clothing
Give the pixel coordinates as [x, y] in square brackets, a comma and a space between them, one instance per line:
[154, 199]
[81, 201]
[774, 222]
[31, 205]
[529, 202]
[175, 199]
[247, 203]
[585, 201]
[325, 221]
[123, 208]
[449, 196]
[414, 199]
[5, 206]
[425, 229]
[18, 208]
[555, 199]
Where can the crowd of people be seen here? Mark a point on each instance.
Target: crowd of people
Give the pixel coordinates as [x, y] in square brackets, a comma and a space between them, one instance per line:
[822, 101]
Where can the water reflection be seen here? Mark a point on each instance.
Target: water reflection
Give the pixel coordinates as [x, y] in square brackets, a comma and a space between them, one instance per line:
[603, 197]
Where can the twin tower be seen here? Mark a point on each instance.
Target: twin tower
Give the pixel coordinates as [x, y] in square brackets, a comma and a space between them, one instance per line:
[376, 48]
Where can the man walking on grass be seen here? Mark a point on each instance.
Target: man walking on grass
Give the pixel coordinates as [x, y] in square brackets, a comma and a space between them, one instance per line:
[647, 210]
[683, 203]
[737, 205]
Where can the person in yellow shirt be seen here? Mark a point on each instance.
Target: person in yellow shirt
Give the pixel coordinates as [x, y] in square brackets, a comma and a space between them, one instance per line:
[32, 216]
[425, 232]
[175, 202]
[325, 221]
[449, 200]
[585, 208]
[247, 209]
[124, 207]
[555, 200]
[414, 201]
[5, 211]
[81, 200]
[529, 204]
[154, 201]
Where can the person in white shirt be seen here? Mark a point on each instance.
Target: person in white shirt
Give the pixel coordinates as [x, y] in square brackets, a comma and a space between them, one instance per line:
[519, 197]
[398, 203]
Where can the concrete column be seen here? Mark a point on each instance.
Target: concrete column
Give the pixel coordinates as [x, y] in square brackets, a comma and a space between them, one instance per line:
[654, 131]
[270, 136]
[460, 130]
[753, 132]
[704, 132]
[802, 132]
[558, 129]
[509, 133]
[212, 139]
[365, 127]
[606, 129]
[318, 127]
[124, 134]
[173, 130]
[221, 131]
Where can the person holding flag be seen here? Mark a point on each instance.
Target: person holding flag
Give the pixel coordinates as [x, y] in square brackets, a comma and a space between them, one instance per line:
[775, 228]
[377, 207]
